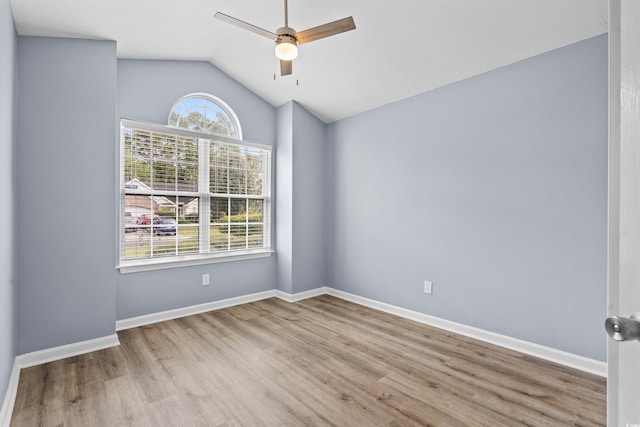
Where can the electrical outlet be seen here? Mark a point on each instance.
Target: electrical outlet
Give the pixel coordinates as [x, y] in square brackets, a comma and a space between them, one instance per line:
[205, 279]
[428, 287]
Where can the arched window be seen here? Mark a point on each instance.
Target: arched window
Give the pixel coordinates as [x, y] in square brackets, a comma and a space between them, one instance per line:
[192, 191]
[206, 113]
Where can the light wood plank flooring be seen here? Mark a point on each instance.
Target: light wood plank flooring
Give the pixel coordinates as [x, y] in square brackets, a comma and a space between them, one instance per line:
[322, 361]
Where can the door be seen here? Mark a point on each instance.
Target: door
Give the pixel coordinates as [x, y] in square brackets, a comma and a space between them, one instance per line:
[623, 386]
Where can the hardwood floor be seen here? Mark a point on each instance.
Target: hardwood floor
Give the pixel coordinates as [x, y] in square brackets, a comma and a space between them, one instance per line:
[321, 361]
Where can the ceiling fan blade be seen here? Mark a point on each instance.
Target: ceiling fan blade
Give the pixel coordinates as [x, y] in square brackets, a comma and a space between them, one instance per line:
[286, 67]
[326, 30]
[238, 23]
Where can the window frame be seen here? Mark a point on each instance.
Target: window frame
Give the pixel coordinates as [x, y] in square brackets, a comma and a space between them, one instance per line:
[206, 257]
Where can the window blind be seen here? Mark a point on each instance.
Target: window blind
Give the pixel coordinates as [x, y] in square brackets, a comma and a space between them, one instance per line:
[186, 194]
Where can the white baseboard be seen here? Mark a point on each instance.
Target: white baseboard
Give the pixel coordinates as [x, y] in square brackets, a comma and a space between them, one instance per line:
[10, 396]
[62, 352]
[162, 316]
[302, 295]
[553, 355]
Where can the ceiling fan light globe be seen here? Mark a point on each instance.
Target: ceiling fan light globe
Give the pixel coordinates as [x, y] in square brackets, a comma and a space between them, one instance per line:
[286, 50]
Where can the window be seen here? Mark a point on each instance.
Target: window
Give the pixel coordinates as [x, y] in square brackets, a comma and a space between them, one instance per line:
[192, 192]
[205, 113]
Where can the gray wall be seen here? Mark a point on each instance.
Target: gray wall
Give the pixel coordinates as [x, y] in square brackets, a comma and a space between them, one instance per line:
[284, 201]
[309, 267]
[300, 183]
[494, 188]
[146, 91]
[7, 245]
[65, 190]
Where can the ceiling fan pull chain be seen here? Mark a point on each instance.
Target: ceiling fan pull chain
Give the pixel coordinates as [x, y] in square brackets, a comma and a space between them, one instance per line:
[298, 68]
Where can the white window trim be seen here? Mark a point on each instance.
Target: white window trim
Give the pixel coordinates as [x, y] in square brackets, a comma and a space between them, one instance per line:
[191, 260]
[139, 265]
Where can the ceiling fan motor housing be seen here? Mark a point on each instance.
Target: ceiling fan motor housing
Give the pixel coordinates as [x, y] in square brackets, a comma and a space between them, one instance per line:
[287, 35]
[286, 44]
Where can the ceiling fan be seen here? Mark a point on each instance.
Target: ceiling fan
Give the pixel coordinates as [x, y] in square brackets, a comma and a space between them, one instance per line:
[287, 39]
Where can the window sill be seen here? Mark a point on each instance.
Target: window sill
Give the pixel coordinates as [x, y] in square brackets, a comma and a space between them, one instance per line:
[186, 261]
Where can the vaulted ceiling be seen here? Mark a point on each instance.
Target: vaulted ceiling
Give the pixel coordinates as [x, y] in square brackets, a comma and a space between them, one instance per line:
[399, 49]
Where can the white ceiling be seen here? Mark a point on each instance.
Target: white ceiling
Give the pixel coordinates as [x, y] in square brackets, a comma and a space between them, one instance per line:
[400, 48]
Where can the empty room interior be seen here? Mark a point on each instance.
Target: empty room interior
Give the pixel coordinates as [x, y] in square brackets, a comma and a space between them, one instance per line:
[399, 217]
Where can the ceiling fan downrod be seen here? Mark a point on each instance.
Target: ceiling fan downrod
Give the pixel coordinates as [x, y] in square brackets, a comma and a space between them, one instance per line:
[286, 13]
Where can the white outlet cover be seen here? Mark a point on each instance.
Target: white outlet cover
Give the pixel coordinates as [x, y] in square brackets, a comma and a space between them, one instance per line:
[428, 287]
[205, 279]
